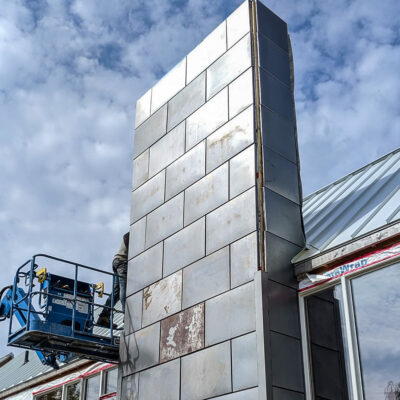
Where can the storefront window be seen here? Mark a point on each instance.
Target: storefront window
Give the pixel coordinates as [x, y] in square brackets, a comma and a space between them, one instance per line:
[376, 298]
[353, 344]
[92, 388]
[73, 391]
[111, 381]
[51, 395]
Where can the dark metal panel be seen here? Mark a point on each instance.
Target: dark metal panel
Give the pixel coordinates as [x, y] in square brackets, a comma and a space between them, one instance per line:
[278, 134]
[281, 175]
[274, 59]
[276, 96]
[283, 309]
[270, 25]
[283, 217]
[282, 394]
[286, 362]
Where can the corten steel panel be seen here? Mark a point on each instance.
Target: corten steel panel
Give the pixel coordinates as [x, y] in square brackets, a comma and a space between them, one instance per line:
[249, 394]
[182, 333]
[241, 93]
[165, 220]
[130, 387]
[148, 197]
[282, 394]
[143, 108]
[276, 96]
[137, 238]
[278, 134]
[169, 85]
[231, 221]
[187, 101]
[238, 24]
[242, 174]
[207, 119]
[213, 46]
[133, 313]
[140, 350]
[145, 269]
[150, 131]
[207, 194]
[283, 217]
[244, 362]
[281, 175]
[274, 60]
[243, 260]
[140, 169]
[286, 362]
[230, 314]
[162, 299]
[186, 170]
[206, 373]
[271, 26]
[185, 247]
[167, 149]
[206, 278]
[284, 308]
[235, 61]
[161, 382]
[230, 139]
[280, 269]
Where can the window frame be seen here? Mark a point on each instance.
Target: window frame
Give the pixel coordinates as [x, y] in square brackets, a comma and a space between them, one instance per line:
[350, 325]
[104, 374]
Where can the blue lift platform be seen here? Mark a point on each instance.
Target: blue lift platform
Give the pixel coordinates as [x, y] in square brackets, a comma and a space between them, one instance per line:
[56, 315]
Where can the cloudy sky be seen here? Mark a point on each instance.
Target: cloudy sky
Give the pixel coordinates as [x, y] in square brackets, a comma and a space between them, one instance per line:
[72, 70]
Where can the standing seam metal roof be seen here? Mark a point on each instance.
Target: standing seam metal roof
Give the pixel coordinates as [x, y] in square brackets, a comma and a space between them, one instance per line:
[353, 206]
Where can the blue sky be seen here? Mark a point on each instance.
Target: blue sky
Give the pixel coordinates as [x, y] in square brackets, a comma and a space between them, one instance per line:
[71, 72]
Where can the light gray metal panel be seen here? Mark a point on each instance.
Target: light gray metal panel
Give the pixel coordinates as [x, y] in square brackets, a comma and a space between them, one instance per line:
[231, 221]
[164, 221]
[206, 278]
[231, 314]
[238, 23]
[207, 119]
[143, 108]
[243, 260]
[230, 139]
[244, 362]
[235, 61]
[242, 174]
[137, 238]
[162, 299]
[206, 52]
[207, 194]
[133, 313]
[281, 175]
[144, 269]
[241, 93]
[161, 382]
[130, 387]
[184, 247]
[250, 394]
[283, 217]
[140, 350]
[149, 196]
[140, 169]
[168, 149]
[187, 101]
[186, 170]
[169, 85]
[150, 131]
[206, 373]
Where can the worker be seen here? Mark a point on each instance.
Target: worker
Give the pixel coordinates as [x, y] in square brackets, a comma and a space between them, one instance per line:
[120, 267]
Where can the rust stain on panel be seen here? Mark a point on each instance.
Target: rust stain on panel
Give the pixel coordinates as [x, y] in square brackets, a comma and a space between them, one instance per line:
[182, 333]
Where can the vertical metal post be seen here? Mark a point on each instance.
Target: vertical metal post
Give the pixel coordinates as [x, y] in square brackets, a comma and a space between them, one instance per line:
[112, 308]
[74, 301]
[351, 335]
[304, 345]
[28, 317]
